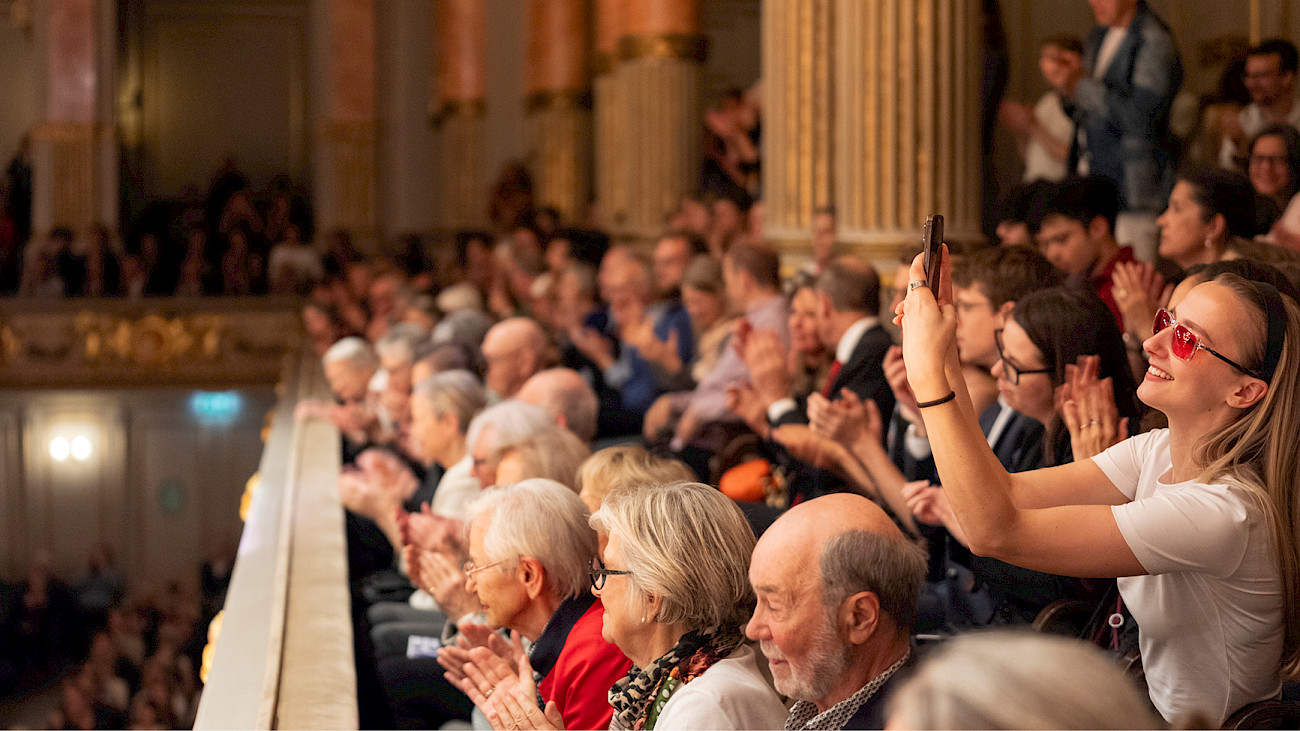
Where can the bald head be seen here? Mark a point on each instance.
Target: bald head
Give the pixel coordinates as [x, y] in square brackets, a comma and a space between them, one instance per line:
[827, 632]
[514, 349]
[565, 395]
[801, 533]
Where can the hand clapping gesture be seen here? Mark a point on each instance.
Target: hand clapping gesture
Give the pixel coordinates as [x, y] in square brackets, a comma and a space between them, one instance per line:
[1088, 409]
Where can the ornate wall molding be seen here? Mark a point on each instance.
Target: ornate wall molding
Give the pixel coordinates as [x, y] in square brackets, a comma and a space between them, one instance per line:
[112, 343]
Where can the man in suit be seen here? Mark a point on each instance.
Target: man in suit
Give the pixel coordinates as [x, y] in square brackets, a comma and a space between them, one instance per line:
[837, 587]
[1121, 105]
[848, 324]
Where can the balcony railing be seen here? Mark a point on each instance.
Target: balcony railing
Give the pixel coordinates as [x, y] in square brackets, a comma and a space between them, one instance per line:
[283, 657]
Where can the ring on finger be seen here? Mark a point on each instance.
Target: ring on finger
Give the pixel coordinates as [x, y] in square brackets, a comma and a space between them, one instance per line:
[488, 693]
[914, 284]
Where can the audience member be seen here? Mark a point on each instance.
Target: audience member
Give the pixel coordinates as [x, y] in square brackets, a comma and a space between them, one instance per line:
[564, 395]
[838, 637]
[676, 555]
[1121, 106]
[1270, 76]
[530, 553]
[1209, 213]
[1043, 131]
[515, 349]
[1224, 524]
[1007, 680]
[1077, 234]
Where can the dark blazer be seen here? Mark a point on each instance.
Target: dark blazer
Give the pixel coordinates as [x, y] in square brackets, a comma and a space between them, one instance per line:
[1020, 446]
[863, 374]
[1126, 112]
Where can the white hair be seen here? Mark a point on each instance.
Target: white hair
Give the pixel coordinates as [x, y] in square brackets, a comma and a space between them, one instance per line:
[401, 341]
[452, 392]
[354, 352]
[544, 520]
[686, 543]
[1019, 680]
[514, 422]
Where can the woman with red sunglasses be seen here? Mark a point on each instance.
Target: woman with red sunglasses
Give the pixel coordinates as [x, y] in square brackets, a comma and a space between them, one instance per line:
[1197, 521]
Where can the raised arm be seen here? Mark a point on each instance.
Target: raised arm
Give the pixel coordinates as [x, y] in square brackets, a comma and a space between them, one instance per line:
[1026, 519]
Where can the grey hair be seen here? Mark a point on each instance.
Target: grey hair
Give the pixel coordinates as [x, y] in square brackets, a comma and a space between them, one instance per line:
[453, 392]
[686, 543]
[514, 421]
[402, 341]
[553, 453]
[1019, 680]
[891, 568]
[573, 398]
[542, 519]
[354, 352]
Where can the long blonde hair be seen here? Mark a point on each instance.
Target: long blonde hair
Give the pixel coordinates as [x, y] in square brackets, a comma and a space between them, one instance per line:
[1258, 450]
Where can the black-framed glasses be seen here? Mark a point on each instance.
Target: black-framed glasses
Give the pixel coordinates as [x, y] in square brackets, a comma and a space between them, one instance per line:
[1185, 343]
[599, 573]
[1013, 372]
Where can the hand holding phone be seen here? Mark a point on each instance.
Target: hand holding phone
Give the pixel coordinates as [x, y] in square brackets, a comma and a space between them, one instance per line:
[933, 241]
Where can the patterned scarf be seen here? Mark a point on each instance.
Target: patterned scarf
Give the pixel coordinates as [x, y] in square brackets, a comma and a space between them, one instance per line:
[638, 697]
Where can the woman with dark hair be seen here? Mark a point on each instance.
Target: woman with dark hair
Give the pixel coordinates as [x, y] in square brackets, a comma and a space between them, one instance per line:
[1210, 211]
[1047, 333]
[1273, 163]
[1197, 521]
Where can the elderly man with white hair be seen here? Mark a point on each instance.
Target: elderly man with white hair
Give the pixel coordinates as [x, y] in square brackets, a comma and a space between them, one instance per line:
[349, 365]
[530, 552]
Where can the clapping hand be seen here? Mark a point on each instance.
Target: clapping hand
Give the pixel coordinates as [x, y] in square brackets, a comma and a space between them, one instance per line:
[1088, 409]
[1139, 290]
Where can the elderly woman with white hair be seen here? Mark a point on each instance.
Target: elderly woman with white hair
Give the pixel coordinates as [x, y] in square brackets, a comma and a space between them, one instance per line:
[530, 552]
[674, 582]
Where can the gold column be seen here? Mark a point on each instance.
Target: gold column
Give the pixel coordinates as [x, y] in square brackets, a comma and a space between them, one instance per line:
[798, 48]
[459, 105]
[347, 138]
[660, 53]
[557, 108]
[70, 144]
[610, 113]
[907, 120]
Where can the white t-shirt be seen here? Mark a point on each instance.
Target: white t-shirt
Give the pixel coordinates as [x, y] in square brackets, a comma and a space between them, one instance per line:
[732, 694]
[1210, 612]
[1051, 116]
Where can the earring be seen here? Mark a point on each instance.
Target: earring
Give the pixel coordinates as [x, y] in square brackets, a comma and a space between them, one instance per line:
[642, 619]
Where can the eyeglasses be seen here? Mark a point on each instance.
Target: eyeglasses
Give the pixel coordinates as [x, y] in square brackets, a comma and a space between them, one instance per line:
[469, 569]
[1185, 343]
[1013, 372]
[599, 573]
[1275, 160]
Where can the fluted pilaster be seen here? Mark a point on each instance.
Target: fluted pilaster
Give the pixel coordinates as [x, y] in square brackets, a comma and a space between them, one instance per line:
[798, 53]
[906, 121]
[458, 110]
[660, 55]
[74, 149]
[609, 118]
[347, 139]
[558, 104]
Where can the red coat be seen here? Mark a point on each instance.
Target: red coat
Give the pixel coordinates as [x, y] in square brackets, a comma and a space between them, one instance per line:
[586, 669]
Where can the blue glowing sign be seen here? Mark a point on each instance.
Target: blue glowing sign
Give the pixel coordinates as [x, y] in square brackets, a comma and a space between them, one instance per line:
[216, 408]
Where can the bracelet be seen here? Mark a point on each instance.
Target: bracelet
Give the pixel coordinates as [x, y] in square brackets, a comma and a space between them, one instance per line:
[927, 404]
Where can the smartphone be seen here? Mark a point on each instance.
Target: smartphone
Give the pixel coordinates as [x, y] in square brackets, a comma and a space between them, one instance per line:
[933, 239]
